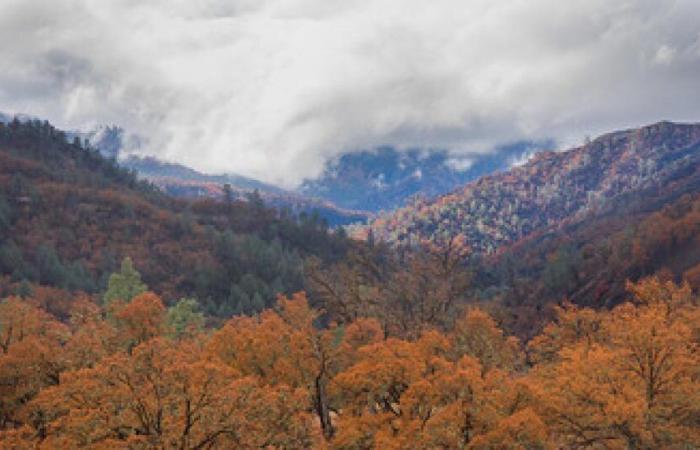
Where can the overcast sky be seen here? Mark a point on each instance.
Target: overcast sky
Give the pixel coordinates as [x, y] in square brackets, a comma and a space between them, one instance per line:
[272, 88]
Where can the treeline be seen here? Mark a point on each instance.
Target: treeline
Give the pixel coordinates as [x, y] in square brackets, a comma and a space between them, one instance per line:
[68, 217]
[135, 374]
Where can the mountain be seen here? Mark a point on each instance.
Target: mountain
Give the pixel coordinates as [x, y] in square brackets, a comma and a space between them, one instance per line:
[553, 188]
[167, 174]
[181, 181]
[386, 178]
[68, 216]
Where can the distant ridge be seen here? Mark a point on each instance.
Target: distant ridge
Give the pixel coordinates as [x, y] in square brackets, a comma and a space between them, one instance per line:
[551, 188]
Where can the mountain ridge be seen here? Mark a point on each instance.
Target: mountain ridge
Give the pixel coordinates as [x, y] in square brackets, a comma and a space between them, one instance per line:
[501, 208]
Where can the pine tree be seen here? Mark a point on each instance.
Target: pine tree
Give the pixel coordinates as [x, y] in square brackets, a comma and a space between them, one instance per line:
[184, 319]
[124, 285]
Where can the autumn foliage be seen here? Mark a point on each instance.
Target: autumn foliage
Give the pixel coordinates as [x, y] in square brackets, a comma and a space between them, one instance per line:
[625, 378]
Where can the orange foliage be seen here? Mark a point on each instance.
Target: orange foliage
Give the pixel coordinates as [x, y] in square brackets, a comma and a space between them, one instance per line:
[626, 378]
[141, 319]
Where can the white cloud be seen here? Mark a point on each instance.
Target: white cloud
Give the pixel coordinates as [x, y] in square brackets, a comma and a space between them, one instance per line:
[272, 88]
[665, 55]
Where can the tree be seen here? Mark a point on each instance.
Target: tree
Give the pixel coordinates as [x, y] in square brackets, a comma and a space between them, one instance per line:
[635, 384]
[171, 395]
[283, 348]
[124, 285]
[6, 217]
[403, 394]
[141, 319]
[51, 270]
[12, 261]
[477, 335]
[30, 355]
[228, 197]
[184, 318]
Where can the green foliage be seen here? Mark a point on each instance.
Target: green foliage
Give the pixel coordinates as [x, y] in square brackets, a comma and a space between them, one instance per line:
[6, 216]
[51, 270]
[24, 289]
[77, 278]
[125, 284]
[12, 261]
[560, 272]
[184, 318]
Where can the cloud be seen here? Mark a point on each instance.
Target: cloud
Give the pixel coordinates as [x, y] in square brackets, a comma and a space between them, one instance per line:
[273, 88]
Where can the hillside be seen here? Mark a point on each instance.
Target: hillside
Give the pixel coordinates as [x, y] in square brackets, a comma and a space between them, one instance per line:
[589, 262]
[68, 216]
[553, 188]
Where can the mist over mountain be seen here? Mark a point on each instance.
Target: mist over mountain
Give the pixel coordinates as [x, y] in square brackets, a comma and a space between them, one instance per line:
[386, 178]
[371, 181]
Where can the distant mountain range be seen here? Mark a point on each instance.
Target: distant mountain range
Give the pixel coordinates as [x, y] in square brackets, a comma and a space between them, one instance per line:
[554, 189]
[366, 181]
[351, 188]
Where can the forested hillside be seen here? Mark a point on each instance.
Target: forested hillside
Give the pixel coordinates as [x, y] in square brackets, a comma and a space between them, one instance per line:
[554, 188]
[68, 217]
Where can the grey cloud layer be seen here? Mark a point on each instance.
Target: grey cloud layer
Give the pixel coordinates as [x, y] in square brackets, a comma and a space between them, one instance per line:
[271, 88]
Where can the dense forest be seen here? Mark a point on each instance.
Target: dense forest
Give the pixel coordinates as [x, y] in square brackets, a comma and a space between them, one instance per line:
[131, 319]
[68, 217]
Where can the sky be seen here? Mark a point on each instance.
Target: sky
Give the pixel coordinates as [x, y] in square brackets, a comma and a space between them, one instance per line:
[274, 88]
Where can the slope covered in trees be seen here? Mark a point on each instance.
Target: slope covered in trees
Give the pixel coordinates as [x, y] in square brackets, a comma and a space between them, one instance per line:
[588, 262]
[554, 188]
[68, 217]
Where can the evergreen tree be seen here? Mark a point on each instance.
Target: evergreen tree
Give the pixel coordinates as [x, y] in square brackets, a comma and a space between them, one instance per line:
[184, 319]
[5, 217]
[78, 278]
[51, 270]
[12, 261]
[24, 289]
[125, 284]
[257, 304]
[238, 303]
